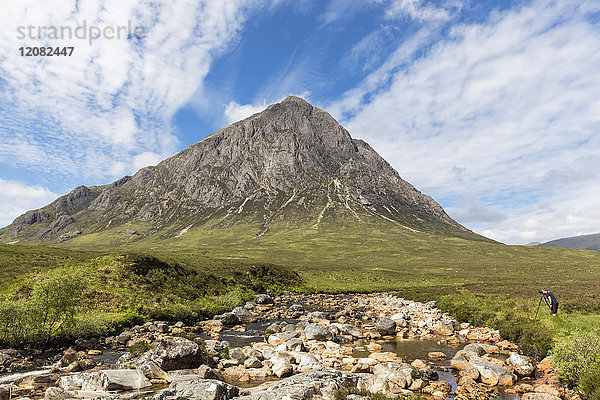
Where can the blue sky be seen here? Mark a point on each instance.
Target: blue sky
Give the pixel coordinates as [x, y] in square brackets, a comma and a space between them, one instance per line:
[491, 107]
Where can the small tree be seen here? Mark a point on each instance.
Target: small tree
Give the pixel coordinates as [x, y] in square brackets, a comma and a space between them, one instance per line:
[53, 305]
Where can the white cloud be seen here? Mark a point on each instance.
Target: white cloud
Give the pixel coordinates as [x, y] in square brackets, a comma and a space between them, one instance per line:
[145, 159]
[504, 110]
[112, 101]
[16, 198]
[420, 10]
[236, 112]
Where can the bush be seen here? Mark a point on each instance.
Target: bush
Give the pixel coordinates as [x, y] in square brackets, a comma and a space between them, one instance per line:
[578, 359]
[589, 382]
[48, 313]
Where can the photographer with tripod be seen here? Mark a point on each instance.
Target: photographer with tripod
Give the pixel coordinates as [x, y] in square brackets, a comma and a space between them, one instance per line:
[550, 301]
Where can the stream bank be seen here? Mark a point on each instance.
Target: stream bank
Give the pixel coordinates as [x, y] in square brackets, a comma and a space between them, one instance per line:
[299, 347]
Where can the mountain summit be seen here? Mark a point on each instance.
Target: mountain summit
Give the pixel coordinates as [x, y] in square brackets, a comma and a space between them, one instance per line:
[289, 166]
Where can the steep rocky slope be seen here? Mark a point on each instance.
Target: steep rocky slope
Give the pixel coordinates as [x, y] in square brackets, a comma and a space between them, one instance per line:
[290, 165]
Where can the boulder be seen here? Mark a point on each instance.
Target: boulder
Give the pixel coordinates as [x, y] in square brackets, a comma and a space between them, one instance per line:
[263, 299]
[459, 362]
[386, 326]
[295, 345]
[227, 319]
[237, 354]
[282, 337]
[539, 396]
[521, 364]
[347, 329]
[56, 393]
[400, 374]
[102, 381]
[307, 362]
[253, 362]
[310, 385]
[171, 353]
[282, 367]
[244, 315]
[438, 386]
[475, 348]
[192, 387]
[317, 332]
[316, 316]
[436, 355]
[492, 374]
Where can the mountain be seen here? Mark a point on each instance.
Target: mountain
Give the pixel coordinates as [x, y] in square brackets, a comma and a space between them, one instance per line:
[289, 168]
[583, 242]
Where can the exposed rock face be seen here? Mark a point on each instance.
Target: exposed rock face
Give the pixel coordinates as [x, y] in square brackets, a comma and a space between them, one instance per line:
[291, 162]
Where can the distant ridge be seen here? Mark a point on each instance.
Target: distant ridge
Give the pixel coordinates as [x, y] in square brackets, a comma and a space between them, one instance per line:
[582, 242]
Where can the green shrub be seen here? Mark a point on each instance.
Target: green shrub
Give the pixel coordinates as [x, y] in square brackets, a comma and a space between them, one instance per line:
[49, 312]
[577, 357]
[589, 382]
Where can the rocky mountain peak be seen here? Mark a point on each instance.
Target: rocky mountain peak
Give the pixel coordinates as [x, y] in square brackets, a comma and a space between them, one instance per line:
[291, 163]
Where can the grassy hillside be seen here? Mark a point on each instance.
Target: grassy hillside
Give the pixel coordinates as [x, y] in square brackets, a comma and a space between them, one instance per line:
[482, 282]
[375, 257]
[56, 293]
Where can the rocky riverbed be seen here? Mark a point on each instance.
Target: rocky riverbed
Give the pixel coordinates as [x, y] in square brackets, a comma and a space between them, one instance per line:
[293, 347]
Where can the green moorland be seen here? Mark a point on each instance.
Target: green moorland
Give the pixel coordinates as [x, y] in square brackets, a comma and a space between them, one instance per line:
[207, 270]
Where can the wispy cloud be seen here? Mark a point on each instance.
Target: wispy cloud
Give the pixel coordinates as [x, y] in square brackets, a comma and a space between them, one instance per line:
[16, 198]
[105, 109]
[420, 10]
[236, 112]
[508, 106]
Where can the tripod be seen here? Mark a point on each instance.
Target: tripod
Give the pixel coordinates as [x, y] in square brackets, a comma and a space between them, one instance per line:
[540, 303]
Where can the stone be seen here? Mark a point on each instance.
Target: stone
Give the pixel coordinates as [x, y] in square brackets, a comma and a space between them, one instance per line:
[253, 362]
[547, 364]
[263, 299]
[295, 345]
[170, 353]
[521, 364]
[398, 373]
[282, 337]
[347, 329]
[539, 396]
[459, 362]
[112, 379]
[439, 386]
[523, 388]
[436, 355]
[282, 367]
[490, 348]
[307, 362]
[192, 387]
[310, 385]
[206, 372]
[237, 354]
[317, 332]
[545, 388]
[386, 326]
[227, 319]
[492, 374]
[475, 348]
[243, 315]
[69, 357]
[56, 393]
